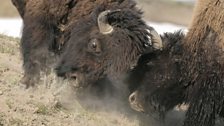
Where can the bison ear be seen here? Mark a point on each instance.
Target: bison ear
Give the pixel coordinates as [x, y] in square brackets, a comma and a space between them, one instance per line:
[102, 20]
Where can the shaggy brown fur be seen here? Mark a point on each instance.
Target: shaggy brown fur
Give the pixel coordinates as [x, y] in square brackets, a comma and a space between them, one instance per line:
[204, 63]
[196, 70]
[112, 55]
[47, 27]
[20, 5]
[158, 77]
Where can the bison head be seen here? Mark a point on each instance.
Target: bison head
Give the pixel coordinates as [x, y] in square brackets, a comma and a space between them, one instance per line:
[106, 45]
[161, 85]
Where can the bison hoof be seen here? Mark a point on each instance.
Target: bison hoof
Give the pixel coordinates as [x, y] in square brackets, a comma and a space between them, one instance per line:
[29, 81]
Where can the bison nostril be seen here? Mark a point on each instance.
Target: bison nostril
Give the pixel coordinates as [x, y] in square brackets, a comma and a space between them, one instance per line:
[132, 97]
[71, 76]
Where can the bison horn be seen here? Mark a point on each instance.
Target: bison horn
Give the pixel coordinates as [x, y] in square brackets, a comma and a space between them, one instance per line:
[156, 40]
[104, 26]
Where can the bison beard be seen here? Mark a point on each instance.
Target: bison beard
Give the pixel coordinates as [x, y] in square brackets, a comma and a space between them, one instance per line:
[47, 28]
[188, 70]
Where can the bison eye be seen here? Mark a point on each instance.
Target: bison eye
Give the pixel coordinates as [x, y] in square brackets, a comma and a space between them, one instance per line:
[94, 46]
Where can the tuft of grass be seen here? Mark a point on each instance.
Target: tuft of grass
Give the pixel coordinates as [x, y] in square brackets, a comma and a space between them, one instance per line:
[15, 122]
[7, 50]
[9, 38]
[42, 109]
[1, 119]
[9, 103]
[57, 106]
[9, 45]
[1, 122]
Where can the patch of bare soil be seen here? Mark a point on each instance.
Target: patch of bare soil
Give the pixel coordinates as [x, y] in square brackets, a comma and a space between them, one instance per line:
[49, 104]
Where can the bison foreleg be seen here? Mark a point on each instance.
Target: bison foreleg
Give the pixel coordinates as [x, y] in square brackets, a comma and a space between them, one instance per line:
[36, 40]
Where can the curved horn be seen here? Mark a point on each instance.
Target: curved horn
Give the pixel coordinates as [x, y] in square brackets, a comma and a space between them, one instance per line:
[103, 25]
[156, 40]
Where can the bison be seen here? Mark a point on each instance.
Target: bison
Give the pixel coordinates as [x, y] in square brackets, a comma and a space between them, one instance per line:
[189, 70]
[112, 29]
[160, 88]
[107, 45]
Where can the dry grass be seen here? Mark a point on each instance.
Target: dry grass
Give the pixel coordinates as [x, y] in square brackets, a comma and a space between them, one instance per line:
[8, 44]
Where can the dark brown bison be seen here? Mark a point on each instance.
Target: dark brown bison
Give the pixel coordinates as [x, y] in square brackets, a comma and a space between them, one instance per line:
[157, 74]
[99, 28]
[106, 45]
[189, 70]
[159, 77]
